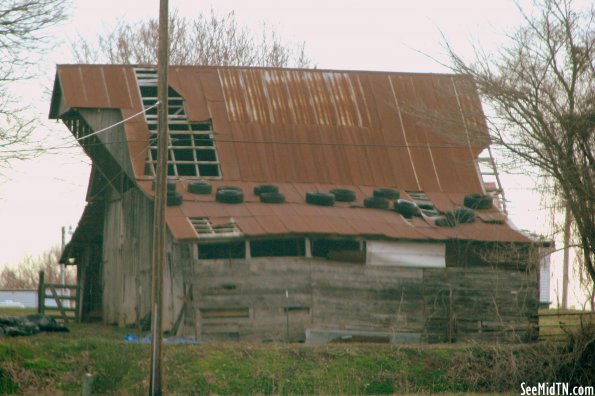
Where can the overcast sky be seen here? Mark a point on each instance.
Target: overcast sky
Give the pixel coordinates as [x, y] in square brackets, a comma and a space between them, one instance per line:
[48, 192]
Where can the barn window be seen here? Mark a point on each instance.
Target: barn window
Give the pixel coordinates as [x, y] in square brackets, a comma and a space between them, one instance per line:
[338, 249]
[205, 228]
[292, 247]
[222, 250]
[221, 239]
[191, 147]
[406, 254]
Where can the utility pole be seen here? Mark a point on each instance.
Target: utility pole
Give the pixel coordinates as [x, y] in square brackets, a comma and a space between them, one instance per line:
[63, 265]
[159, 230]
[566, 265]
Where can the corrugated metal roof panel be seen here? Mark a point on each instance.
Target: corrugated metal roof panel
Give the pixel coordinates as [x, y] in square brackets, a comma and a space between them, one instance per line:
[313, 130]
[187, 83]
[258, 219]
[92, 86]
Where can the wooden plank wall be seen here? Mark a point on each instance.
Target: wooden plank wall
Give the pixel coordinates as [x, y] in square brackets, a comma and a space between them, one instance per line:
[488, 292]
[243, 299]
[127, 241]
[320, 294]
[113, 139]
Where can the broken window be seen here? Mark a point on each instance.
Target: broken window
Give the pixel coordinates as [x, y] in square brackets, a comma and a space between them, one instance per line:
[293, 247]
[423, 202]
[339, 249]
[191, 147]
[206, 229]
[222, 250]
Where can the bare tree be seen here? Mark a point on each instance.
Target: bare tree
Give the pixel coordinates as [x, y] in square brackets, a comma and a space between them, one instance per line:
[541, 89]
[207, 40]
[23, 25]
[25, 275]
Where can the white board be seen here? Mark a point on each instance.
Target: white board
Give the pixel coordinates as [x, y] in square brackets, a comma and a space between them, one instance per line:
[406, 254]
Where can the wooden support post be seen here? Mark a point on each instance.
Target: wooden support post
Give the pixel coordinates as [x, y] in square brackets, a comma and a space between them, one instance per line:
[41, 294]
[87, 384]
[287, 316]
[450, 317]
[159, 231]
[80, 294]
[566, 262]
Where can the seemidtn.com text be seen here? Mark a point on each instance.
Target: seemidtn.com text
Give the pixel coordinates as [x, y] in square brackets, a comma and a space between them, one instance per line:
[556, 389]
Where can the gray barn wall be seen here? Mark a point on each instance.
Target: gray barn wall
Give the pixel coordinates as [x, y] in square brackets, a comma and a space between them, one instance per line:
[127, 241]
[478, 301]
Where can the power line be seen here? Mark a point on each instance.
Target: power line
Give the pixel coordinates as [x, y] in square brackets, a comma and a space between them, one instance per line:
[276, 142]
[119, 122]
[86, 136]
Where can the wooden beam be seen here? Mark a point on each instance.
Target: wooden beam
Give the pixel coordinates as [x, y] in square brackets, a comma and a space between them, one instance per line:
[159, 232]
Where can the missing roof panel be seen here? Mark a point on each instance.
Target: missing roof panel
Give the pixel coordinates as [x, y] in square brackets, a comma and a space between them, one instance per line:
[186, 139]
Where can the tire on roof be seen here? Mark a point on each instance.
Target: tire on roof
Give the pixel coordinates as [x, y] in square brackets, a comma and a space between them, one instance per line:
[406, 208]
[388, 193]
[343, 194]
[200, 187]
[229, 196]
[460, 216]
[272, 197]
[265, 188]
[174, 198]
[376, 202]
[320, 198]
[478, 201]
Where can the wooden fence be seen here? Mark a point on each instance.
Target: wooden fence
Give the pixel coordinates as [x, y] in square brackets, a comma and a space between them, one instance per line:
[557, 325]
[67, 306]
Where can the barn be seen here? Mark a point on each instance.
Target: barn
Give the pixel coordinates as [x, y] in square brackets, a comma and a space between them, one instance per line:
[303, 206]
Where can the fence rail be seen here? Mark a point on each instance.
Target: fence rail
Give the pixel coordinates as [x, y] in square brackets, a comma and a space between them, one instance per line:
[556, 326]
[67, 305]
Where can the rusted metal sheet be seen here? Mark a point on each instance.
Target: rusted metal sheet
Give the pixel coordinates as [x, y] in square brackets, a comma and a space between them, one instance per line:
[137, 134]
[314, 130]
[96, 86]
[187, 82]
[296, 216]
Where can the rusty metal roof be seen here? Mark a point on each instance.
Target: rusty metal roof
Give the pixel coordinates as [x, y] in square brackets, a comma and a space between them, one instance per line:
[310, 130]
[295, 216]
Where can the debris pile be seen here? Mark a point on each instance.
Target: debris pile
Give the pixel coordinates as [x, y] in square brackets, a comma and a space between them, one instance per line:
[11, 326]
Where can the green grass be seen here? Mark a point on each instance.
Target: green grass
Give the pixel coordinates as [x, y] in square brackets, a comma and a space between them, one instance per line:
[56, 363]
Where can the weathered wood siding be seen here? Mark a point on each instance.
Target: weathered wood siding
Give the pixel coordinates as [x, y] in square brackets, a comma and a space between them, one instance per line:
[470, 299]
[113, 139]
[127, 241]
[486, 292]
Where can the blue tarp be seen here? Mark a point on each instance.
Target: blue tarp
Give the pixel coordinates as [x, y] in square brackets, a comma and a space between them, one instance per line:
[147, 339]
